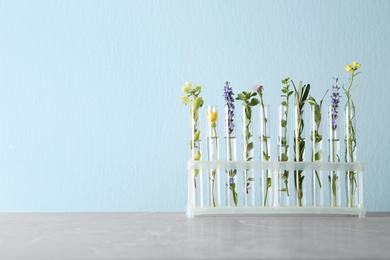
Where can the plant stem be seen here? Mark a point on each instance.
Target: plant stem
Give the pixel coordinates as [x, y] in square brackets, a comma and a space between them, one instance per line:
[286, 173]
[351, 141]
[231, 173]
[266, 155]
[214, 171]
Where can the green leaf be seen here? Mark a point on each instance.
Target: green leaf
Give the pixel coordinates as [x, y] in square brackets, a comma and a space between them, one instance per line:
[266, 156]
[284, 157]
[317, 115]
[250, 146]
[269, 182]
[299, 92]
[248, 113]
[254, 102]
[306, 93]
[186, 89]
[196, 172]
[318, 155]
[196, 135]
[185, 100]
[334, 186]
[283, 123]
[286, 80]
[240, 97]
[284, 103]
[235, 198]
[247, 134]
[311, 101]
[247, 123]
[198, 88]
[197, 103]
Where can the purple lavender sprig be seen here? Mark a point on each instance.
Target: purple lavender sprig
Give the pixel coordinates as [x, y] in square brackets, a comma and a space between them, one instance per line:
[229, 99]
[335, 100]
[228, 95]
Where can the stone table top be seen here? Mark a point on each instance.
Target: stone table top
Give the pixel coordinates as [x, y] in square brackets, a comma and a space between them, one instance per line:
[159, 235]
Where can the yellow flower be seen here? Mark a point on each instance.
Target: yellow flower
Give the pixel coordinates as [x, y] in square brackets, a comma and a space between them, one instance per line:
[212, 116]
[356, 65]
[352, 67]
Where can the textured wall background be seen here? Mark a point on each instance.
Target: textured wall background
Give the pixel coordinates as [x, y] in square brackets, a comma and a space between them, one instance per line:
[89, 112]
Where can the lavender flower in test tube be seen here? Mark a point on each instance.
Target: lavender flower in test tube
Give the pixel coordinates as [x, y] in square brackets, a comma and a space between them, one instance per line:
[231, 173]
[228, 95]
[335, 100]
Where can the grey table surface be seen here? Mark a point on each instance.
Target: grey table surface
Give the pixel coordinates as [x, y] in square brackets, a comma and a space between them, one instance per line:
[161, 235]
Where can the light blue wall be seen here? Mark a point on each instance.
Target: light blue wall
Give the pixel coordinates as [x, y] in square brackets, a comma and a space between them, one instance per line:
[89, 112]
